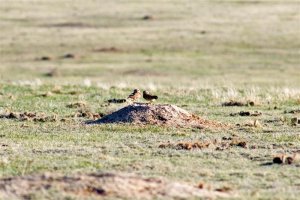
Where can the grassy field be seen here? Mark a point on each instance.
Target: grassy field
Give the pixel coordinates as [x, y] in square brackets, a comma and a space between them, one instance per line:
[194, 54]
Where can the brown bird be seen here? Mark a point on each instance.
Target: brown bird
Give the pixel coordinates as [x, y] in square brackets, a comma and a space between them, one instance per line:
[149, 97]
[135, 95]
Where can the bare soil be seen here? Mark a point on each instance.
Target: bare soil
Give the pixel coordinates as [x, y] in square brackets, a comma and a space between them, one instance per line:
[157, 114]
[99, 185]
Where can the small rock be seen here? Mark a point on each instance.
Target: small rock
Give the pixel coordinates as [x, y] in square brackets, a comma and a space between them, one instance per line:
[251, 103]
[224, 189]
[68, 56]
[200, 185]
[148, 17]
[242, 144]
[13, 115]
[244, 113]
[45, 58]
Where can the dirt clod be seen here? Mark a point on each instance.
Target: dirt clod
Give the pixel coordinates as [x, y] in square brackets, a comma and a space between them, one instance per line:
[224, 189]
[147, 17]
[293, 111]
[238, 103]
[79, 104]
[68, 56]
[107, 50]
[247, 113]
[242, 144]
[45, 58]
[85, 113]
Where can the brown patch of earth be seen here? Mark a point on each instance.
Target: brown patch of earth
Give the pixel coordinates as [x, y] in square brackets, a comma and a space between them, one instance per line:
[147, 17]
[44, 58]
[29, 116]
[296, 111]
[226, 143]
[157, 114]
[108, 50]
[79, 104]
[68, 56]
[87, 114]
[84, 111]
[247, 113]
[98, 185]
[42, 117]
[238, 103]
[70, 25]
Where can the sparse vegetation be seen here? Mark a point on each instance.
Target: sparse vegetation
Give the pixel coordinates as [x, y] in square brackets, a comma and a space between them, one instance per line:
[234, 62]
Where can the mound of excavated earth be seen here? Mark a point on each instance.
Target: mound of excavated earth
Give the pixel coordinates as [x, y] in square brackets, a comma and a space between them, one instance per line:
[156, 114]
[99, 185]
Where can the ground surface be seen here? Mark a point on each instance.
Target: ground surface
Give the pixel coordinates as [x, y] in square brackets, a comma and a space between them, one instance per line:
[61, 60]
[95, 185]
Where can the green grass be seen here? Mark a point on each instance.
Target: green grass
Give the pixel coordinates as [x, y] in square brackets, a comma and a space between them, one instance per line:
[192, 54]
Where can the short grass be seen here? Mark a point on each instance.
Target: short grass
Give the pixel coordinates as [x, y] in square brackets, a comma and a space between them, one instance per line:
[194, 54]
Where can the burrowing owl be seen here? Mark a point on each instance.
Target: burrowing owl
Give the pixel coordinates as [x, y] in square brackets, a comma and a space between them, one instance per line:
[135, 95]
[149, 97]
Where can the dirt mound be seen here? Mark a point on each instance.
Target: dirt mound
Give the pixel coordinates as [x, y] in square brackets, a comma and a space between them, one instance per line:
[99, 185]
[156, 114]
